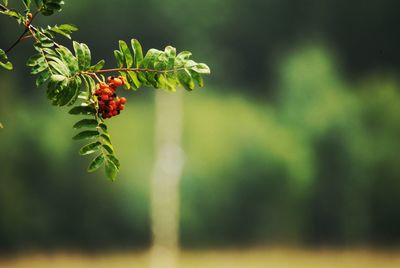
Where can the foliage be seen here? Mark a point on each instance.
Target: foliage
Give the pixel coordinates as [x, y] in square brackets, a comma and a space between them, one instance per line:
[71, 78]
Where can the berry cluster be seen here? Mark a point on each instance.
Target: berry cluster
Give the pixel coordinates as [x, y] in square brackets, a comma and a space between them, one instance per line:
[109, 104]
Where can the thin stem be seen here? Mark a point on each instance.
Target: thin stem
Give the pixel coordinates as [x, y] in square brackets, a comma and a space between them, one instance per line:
[17, 41]
[27, 26]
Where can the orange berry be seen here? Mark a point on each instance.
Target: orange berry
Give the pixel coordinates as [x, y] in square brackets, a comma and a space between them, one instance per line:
[110, 78]
[122, 100]
[103, 85]
[116, 82]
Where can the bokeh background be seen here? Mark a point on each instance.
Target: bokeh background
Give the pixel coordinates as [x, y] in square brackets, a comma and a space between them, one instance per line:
[294, 141]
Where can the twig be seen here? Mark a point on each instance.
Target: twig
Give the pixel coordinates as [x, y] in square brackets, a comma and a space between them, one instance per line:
[27, 26]
[17, 41]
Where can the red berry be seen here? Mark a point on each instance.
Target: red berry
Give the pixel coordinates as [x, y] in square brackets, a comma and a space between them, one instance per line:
[117, 82]
[121, 107]
[104, 97]
[122, 100]
[107, 91]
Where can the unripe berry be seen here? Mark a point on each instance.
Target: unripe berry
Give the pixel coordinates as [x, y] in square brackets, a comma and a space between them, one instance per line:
[123, 79]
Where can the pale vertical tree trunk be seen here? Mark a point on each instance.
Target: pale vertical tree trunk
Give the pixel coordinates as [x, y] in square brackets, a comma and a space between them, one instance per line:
[165, 181]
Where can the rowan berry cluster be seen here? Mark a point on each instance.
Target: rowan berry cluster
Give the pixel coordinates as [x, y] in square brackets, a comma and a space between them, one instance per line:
[109, 103]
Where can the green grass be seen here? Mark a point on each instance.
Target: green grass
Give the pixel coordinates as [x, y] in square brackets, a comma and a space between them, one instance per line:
[254, 258]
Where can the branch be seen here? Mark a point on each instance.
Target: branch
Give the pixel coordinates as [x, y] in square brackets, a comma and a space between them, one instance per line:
[135, 70]
[17, 41]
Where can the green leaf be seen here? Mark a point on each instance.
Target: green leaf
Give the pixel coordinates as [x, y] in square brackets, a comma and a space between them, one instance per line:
[82, 52]
[184, 55]
[127, 53]
[120, 58]
[108, 148]
[50, 6]
[186, 80]
[133, 79]
[4, 61]
[89, 123]
[14, 14]
[170, 52]
[63, 29]
[89, 83]
[68, 28]
[106, 137]
[59, 66]
[111, 170]
[54, 87]
[42, 78]
[197, 78]
[68, 58]
[73, 88]
[113, 159]
[103, 127]
[57, 77]
[201, 68]
[85, 110]
[35, 60]
[98, 66]
[27, 4]
[151, 57]
[96, 163]
[138, 52]
[90, 148]
[87, 134]
[39, 68]
[5, 2]
[87, 56]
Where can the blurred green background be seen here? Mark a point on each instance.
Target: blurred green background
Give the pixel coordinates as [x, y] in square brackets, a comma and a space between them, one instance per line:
[295, 140]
